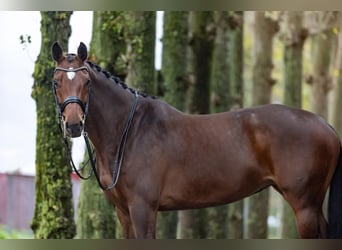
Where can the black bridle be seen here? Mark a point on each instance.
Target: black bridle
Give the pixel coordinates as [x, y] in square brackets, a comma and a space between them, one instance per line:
[91, 152]
[70, 99]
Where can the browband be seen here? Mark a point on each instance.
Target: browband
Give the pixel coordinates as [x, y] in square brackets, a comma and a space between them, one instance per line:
[71, 69]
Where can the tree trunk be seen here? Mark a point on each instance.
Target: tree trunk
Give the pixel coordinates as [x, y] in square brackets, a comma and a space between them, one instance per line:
[175, 42]
[96, 216]
[321, 25]
[191, 224]
[185, 224]
[108, 46]
[220, 71]
[236, 60]
[201, 36]
[293, 37]
[140, 38]
[321, 79]
[198, 65]
[54, 212]
[264, 30]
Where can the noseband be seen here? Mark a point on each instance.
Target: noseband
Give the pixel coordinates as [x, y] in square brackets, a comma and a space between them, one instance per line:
[70, 99]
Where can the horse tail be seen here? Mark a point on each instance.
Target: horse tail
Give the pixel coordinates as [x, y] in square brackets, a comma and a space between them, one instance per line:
[335, 202]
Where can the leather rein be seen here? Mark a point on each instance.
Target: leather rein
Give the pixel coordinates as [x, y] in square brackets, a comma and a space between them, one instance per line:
[91, 152]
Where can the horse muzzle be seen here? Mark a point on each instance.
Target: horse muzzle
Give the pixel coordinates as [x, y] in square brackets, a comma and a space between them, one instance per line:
[73, 116]
[73, 130]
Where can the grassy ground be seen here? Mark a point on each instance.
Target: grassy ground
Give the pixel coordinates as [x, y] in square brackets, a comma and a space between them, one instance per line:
[4, 234]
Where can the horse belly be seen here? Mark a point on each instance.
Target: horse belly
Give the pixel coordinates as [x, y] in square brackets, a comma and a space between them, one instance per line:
[209, 189]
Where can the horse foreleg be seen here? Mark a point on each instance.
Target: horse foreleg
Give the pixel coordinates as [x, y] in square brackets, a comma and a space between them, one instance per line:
[144, 219]
[126, 223]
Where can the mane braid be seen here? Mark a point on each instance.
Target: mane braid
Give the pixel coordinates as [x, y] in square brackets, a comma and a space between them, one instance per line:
[117, 80]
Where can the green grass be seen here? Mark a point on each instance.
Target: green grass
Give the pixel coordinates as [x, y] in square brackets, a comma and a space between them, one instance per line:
[23, 234]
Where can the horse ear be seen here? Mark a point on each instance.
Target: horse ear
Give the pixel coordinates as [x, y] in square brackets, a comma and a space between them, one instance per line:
[57, 52]
[82, 52]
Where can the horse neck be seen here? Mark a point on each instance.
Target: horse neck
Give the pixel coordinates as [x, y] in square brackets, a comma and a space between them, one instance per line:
[109, 107]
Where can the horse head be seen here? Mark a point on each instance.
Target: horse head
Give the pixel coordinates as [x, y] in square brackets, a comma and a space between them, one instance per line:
[71, 87]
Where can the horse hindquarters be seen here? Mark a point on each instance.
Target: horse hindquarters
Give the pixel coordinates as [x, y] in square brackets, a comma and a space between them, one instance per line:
[335, 202]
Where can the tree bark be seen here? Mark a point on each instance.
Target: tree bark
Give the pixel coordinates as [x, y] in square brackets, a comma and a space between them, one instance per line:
[201, 36]
[293, 37]
[175, 43]
[220, 71]
[54, 212]
[321, 79]
[264, 30]
[321, 25]
[140, 38]
[108, 45]
[236, 60]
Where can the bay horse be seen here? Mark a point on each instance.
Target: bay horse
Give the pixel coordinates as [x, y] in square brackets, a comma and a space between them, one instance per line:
[170, 160]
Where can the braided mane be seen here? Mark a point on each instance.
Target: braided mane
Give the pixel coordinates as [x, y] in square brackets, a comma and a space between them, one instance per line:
[117, 80]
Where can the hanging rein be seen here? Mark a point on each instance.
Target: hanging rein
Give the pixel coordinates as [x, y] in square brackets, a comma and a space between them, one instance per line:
[91, 152]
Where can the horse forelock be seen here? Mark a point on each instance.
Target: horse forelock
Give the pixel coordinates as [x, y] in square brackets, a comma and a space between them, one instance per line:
[70, 57]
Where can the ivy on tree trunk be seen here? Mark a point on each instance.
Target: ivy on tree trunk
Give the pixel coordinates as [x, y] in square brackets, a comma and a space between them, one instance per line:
[140, 38]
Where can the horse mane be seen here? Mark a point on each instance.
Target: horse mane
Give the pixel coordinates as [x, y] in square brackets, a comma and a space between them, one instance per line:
[117, 80]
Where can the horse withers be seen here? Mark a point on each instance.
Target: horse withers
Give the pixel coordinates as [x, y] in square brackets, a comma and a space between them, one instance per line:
[151, 157]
